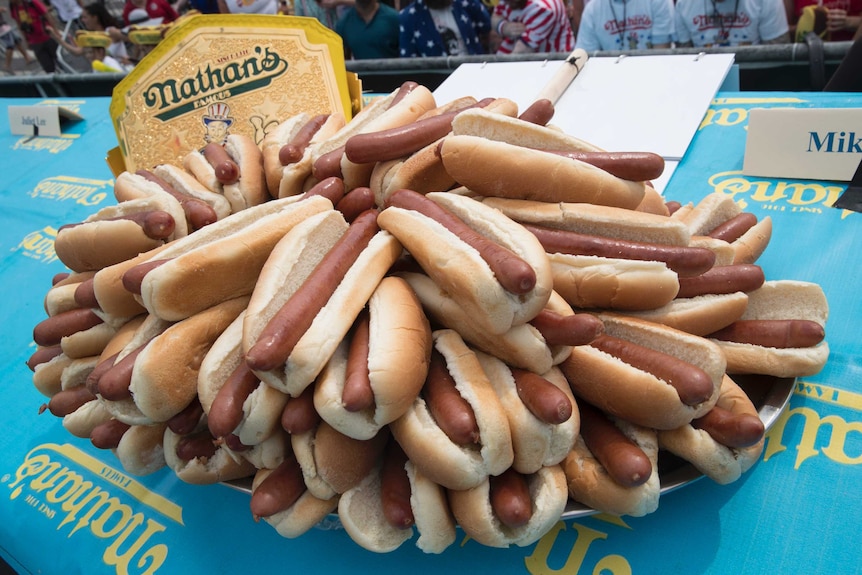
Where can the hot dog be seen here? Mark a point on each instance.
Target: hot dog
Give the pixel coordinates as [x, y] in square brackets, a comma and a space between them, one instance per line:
[141, 449]
[484, 248]
[699, 315]
[274, 140]
[197, 458]
[396, 487]
[437, 456]
[536, 441]
[393, 364]
[776, 302]
[249, 189]
[725, 442]
[184, 182]
[511, 508]
[325, 260]
[636, 394]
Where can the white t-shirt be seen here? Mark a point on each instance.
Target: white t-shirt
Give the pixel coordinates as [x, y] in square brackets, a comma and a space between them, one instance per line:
[729, 22]
[66, 9]
[445, 23]
[625, 24]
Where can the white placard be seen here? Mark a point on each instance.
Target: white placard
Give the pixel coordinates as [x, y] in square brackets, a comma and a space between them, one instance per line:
[814, 144]
[39, 120]
[637, 103]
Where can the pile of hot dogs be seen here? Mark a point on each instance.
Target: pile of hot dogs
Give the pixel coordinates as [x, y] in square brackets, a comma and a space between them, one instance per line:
[427, 316]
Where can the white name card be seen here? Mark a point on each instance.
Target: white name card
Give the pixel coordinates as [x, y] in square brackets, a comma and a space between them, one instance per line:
[813, 144]
[39, 120]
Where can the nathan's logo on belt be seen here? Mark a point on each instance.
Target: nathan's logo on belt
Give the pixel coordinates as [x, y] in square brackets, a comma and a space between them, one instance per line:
[77, 492]
[245, 73]
[39, 245]
[79, 190]
[727, 112]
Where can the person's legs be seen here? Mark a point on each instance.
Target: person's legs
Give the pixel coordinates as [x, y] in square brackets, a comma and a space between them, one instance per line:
[46, 53]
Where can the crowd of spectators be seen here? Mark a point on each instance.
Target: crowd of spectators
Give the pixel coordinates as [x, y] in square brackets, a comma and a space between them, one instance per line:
[420, 28]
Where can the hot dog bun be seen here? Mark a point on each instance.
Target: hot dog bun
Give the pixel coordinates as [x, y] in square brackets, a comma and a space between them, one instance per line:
[637, 396]
[219, 464]
[141, 449]
[271, 145]
[250, 189]
[464, 274]
[398, 355]
[699, 315]
[185, 183]
[296, 177]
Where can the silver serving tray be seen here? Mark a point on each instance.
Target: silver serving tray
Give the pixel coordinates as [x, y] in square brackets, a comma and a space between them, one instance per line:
[769, 394]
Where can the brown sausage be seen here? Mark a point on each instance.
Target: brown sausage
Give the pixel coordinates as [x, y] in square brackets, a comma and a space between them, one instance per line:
[114, 383]
[693, 385]
[278, 338]
[92, 381]
[187, 420]
[404, 89]
[514, 274]
[357, 394]
[541, 397]
[134, 276]
[279, 490]
[331, 188]
[672, 206]
[328, 165]
[226, 169]
[732, 229]
[50, 331]
[107, 435]
[539, 112]
[232, 441]
[156, 224]
[58, 277]
[85, 294]
[722, 280]
[730, 429]
[622, 458]
[780, 333]
[400, 141]
[685, 261]
[355, 202]
[452, 412]
[299, 414]
[575, 329]
[226, 412]
[43, 354]
[395, 488]
[634, 166]
[510, 498]
[196, 445]
[292, 152]
[198, 212]
[68, 401]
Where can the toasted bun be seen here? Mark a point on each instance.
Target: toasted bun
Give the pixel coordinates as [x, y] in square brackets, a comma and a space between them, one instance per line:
[141, 450]
[223, 466]
[185, 183]
[720, 463]
[399, 352]
[590, 484]
[472, 508]
[165, 375]
[222, 260]
[700, 315]
[250, 190]
[271, 145]
[87, 342]
[294, 176]
[611, 283]
[637, 396]
[463, 274]
[291, 262]
[435, 455]
[304, 514]
[261, 409]
[536, 444]
[781, 299]
[506, 176]
[421, 172]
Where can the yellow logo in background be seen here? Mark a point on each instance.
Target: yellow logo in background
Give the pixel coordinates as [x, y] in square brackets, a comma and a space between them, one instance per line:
[84, 191]
[39, 245]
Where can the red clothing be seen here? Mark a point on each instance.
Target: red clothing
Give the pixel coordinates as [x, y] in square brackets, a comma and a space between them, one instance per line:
[547, 27]
[30, 17]
[853, 8]
[155, 9]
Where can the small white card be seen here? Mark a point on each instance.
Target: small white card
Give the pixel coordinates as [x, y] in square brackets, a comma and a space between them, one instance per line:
[39, 120]
[811, 144]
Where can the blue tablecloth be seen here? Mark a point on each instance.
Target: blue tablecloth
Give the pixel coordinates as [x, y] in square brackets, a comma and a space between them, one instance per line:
[67, 507]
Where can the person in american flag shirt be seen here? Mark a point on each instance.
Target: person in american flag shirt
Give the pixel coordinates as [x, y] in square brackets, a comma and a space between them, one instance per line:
[444, 28]
[532, 26]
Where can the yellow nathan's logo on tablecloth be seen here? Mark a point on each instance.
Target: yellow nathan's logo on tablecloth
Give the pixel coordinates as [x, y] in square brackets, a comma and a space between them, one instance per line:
[84, 191]
[78, 492]
[39, 245]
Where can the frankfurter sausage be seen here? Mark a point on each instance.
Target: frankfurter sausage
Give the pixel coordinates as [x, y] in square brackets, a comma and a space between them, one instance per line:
[357, 393]
[721, 280]
[114, 383]
[355, 202]
[155, 224]
[451, 411]
[187, 420]
[107, 435]
[43, 354]
[299, 415]
[685, 261]
[133, 277]
[293, 151]
[621, 457]
[69, 400]
[50, 331]
[510, 498]
[226, 169]
[513, 273]
[328, 164]
[279, 490]
[731, 429]
[200, 444]
[85, 294]
[395, 488]
[226, 413]
[732, 229]
[634, 166]
[780, 333]
[331, 188]
[92, 381]
[575, 329]
[198, 213]
[540, 112]
[544, 400]
[693, 385]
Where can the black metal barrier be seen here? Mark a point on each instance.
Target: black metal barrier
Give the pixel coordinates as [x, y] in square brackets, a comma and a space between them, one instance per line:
[775, 67]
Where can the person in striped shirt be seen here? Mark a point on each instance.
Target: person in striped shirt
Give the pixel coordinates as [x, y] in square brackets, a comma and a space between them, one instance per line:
[532, 26]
